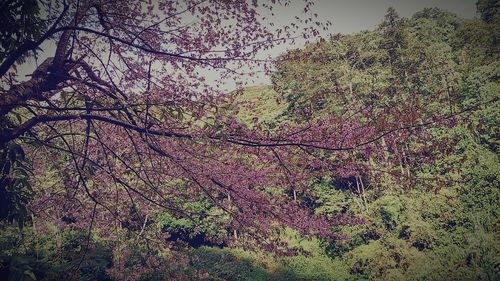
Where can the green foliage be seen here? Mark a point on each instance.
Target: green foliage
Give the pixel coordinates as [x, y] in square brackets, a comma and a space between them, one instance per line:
[446, 225]
[20, 22]
[489, 10]
[27, 255]
[443, 226]
[317, 268]
[259, 105]
[205, 222]
[15, 189]
[226, 265]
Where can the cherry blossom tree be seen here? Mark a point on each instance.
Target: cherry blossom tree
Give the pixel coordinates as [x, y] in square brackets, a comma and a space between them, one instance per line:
[123, 96]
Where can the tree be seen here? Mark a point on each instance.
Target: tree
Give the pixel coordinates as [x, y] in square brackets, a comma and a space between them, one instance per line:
[396, 126]
[122, 100]
[444, 210]
[488, 9]
[124, 104]
[20, 23]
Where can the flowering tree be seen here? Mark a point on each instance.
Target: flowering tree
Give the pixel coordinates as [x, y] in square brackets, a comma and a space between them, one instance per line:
[124, 98]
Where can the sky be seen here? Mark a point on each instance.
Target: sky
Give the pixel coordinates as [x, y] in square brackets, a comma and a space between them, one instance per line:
[349, 16]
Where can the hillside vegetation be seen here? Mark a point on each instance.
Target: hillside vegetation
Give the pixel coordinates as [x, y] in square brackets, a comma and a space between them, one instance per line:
[422, 219]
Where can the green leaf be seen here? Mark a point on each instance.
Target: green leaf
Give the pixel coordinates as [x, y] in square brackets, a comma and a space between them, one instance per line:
[30, 274]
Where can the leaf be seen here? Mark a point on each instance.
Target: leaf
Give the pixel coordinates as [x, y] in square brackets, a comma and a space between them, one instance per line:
[30, 274]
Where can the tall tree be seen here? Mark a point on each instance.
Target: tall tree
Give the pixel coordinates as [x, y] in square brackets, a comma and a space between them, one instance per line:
[122, 97]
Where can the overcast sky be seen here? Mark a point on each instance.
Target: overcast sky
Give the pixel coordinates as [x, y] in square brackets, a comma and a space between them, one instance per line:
[356, 15]
[349, 16]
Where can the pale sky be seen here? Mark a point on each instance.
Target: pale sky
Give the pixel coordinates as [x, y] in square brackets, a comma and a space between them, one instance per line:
[355, 15]
[347, 16]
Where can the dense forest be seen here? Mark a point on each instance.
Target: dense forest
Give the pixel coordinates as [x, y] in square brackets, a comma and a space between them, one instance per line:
[372, 156]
